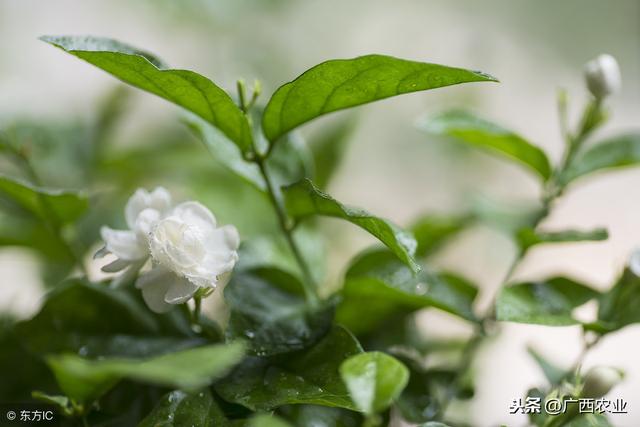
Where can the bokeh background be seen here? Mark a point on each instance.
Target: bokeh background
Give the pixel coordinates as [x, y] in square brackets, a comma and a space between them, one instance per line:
[390, 168]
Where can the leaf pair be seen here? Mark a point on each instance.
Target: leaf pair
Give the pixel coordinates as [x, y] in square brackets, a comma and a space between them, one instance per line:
[331, 86]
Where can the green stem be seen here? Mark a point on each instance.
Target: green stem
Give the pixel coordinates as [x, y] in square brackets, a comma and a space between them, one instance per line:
[553, 190]
[309, 284]
[197, 309]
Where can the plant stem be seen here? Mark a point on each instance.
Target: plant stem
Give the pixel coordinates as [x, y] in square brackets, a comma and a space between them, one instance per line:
[309, 284]
[591, 119]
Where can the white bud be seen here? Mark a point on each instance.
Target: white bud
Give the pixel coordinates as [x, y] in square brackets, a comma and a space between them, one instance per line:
[603, 76]
[599, 381]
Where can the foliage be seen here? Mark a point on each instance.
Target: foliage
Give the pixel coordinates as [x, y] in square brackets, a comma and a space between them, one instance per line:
[291, 351]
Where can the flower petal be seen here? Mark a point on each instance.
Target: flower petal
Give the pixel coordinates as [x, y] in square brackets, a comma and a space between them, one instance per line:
[154, 285]
[123, 244]
[159, 200]
[180, 291]
[196, 215]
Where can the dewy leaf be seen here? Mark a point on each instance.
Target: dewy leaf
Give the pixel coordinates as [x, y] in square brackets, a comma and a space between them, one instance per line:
[84, 380]
[178, 409]
[304, 199]
[528, 237]
[548, 302]
[431, 231]
[185, 88]
[378, 286]
[46, 204]
[478, 132]
[268, 310]
[374, 380]
[310, 376]
[338, 84]
[619, 306]
[617, 152]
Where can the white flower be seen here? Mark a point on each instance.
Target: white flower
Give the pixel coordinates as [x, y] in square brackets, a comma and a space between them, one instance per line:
[142, 212]
[189, 252]
[603, 76]
[634, 262]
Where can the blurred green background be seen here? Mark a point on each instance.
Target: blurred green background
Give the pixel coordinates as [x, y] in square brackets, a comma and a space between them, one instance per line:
[89, 131]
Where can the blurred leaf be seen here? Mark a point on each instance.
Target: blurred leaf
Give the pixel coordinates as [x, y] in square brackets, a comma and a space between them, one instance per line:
[304, 199]
[225, 151]
[309, 376]
[85, 380]
[185, 88]
[528, 237]
[553, 373]
[616, 152]
[618, 306]
[374, 380]
[268, 311]
[338, 84]
[328, 151]
[472, 130]
[264, 420]
[64, 206]
[21, 371]
[274, 251]
[509, 218]
[378, 286]
[432, 231]
[590, 420]
[433, 424]
[320, 416]
[549, 302]
[73, 319]
[180, 409]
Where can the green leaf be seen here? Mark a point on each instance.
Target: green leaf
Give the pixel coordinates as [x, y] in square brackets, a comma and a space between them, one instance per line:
[328, 151]
[85, 380]
[549, 302]
[618, 306]
[185, 88]
[472, 130]
[553, 373]
[432, 231]
[304, 199]
[310, 376]
[178, 409]
[268, 310]
[374, 380]
[49, 205]
[225, 151]
[72, 319]
[264, 420]
[377, 286]
[316, 416]
[338, 84]
[528, 237]
[617, 152]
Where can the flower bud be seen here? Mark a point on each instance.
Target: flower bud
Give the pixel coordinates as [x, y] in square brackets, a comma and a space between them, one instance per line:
[603, 76]
[599, 381]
